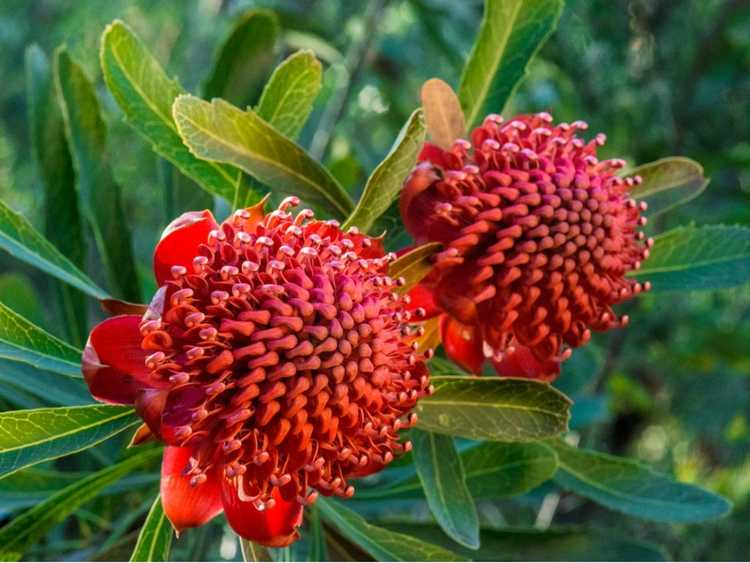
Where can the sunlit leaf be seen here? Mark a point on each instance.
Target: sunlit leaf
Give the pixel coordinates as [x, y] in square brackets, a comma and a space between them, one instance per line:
[694, 258]
[414, 265]
[380, 543]
[221, 132]
[384, 184]
[290, 93]
[145, 94]
[668, 183]
[28, 437]
[155, 537]
[62, 221]
[493, 408]
[244, 59]
[492, 470]
[628, 486]
[561, 544]
[443, 113]
[22, 341]
[22, 531]
[441, 472]
[511, 33]
[101, 196]
[21, 240]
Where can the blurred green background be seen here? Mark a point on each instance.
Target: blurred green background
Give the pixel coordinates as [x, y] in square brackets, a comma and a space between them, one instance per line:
[659, 77]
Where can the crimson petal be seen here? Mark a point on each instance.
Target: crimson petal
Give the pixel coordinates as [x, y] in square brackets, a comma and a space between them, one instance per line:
[180, 241]
[521, 362]
[462, 344]
[186, 505]
[113, 363]
[422, 296]
[275, 526]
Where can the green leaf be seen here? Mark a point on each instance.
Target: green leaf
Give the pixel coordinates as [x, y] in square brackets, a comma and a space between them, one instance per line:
[253, 551]
[244, 59]
[384, 184]
[493, 408]
[221, 132]
[668, 183]
[28, 437]
[382, 544]
[442, 475]
[24, 530]
[290, 93]
[695, 258]
[511, 33]
[443, 114]
[32, 485]
[561, 544]
[25, 342]
[48, 386]
[318, 548]
[101, 197]
[21, 240]
[492, 470]
[155, 538]
[414, 265]
[145, 94]
[632, 488]
[62, 221]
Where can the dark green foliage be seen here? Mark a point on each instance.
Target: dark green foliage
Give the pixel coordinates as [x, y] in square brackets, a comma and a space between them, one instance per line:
[93, 166]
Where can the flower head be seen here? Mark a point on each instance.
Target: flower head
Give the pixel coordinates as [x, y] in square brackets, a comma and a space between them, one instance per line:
[539, 235]
[273, 361]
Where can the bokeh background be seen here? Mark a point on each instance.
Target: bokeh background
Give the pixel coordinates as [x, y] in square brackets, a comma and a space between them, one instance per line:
[660, 77]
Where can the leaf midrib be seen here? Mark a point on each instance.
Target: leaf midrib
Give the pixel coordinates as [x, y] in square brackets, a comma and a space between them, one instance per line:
[290, 90]
[67, 433]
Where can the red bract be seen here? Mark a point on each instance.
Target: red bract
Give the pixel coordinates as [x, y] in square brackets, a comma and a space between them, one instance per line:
[539, 236]
[274, 361]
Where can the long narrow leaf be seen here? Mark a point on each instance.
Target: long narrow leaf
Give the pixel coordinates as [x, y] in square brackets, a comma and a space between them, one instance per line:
[62, 220]
[19, 238]
[444, 483]
[630, 487]
[491, 469]
[22, 531]
[22, 341]
[145, 94]
[244, 59]
[385, 182]
[382, 544]
[511, 33]
[290, 93]
[28, 437]
[101, 197]
[155, 538]
[220, 132]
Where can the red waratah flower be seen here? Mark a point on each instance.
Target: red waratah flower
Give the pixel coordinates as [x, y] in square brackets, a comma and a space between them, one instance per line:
[274, 361]
[538, 236]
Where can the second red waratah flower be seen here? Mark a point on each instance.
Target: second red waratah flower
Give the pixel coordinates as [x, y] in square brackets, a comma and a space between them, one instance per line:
[539, 235]
[274, 361]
